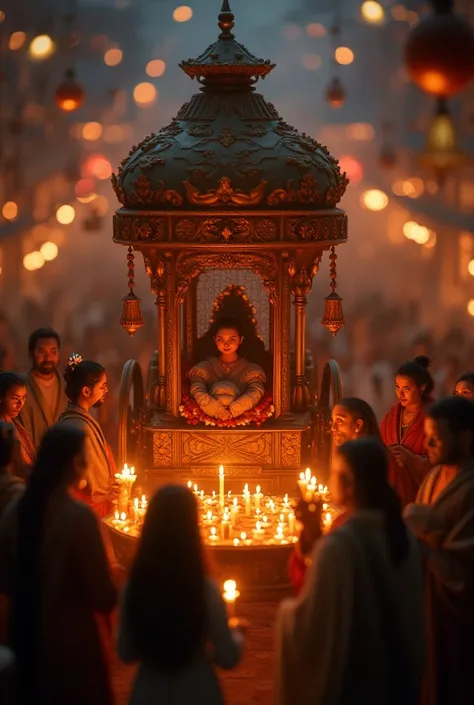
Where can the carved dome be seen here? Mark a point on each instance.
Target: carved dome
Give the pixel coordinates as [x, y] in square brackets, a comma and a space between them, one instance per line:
[228, 147]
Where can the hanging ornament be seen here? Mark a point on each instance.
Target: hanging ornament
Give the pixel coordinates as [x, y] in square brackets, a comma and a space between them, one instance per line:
[439, 52]
[387, 154]
[69, 95]
[333, 318]
[131, 319]
[442, 153]
[335, 93]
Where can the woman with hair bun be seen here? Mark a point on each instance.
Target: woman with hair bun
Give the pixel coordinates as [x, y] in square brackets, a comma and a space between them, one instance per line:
[402, 428]
[86, 389]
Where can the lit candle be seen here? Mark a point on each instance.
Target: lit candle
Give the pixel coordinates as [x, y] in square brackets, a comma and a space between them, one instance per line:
[209, 518]
[225, 527]
[257, 498]
[234, 510]
[195, 489]
[213, 535]
[265, 521]
[230, 595]
[248, 508]
[258, 532]
[302, 484]
[190, 484]
[236, 542]
[221, 486]
[307, 475]
[279, 534]
[291, 523]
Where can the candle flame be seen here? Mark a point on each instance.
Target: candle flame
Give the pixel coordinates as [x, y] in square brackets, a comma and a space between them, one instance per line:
[258, 489]
[264, 519]
[243, 535]
[226, 516]
[307, 475]
[221, 471]
[259, 526]
[282, 518]
[117, 516]
[123, 516]
[235, 502]
[213, 531]
[190, 484]
[135, 502]
[230, 586]
[302, 476]
[209, 516]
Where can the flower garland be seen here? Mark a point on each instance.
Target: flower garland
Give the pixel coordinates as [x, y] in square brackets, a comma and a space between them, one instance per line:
[193, 414]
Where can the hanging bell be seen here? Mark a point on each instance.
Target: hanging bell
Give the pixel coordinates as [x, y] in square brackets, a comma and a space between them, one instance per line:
[131, 319]
[333, 318]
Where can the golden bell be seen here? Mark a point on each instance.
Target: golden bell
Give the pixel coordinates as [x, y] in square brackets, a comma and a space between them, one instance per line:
[131, 315]
[442, 153]
[333, 318]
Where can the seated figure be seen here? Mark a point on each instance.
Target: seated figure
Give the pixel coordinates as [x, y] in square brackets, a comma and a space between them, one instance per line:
[226, 385]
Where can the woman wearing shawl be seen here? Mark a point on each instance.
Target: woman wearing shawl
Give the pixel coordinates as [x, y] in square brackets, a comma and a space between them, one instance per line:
[13, 393]
[403, 428]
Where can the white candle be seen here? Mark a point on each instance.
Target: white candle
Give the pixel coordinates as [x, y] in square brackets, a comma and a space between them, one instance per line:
[307, 475]
[233, 513]
[225, 527]
[257, 498]
[265, 521]
[221, 486]
[247, 501]
[213, 535]
[230, 595]
[291, 523]
[258, 532]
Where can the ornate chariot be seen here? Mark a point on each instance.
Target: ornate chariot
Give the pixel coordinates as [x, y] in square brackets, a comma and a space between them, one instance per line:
[229, 202]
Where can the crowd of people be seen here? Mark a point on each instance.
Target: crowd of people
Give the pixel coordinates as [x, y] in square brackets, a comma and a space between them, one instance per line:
[383, 611]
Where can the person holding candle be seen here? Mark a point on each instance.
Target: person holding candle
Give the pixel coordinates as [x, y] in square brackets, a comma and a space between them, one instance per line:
[86, 389]
[55, 572]
[355, 634]
[173, 620]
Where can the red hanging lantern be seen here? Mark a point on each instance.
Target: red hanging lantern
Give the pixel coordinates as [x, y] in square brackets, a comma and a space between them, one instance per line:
[335, 93]
[439, 52]
[69, 95]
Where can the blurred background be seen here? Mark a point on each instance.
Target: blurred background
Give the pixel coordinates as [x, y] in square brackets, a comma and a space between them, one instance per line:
[81, 81]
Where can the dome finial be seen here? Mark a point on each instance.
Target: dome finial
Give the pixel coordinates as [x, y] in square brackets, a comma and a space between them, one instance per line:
[226, 21]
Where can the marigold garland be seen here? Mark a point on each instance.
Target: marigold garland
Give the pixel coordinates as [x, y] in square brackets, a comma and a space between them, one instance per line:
[193, 414]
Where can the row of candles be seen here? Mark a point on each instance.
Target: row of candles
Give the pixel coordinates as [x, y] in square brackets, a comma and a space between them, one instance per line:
[241, 520]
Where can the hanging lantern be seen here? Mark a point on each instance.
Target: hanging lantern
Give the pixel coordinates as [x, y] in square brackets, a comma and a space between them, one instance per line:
[441, 154]
[335, 93]
[131, 319]
[333, 318]
[69, 95]
[439, 52]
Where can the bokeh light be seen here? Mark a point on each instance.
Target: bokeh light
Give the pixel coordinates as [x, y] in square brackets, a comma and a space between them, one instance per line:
[10, 210]
[470, 268]
[418, 233]
[145, 94]
[360, 131]
[399, 13]
[92, 131]
[183, 13]
[470, 307]
[101, 205]
[352, 167]
[113, 57]
[113, 134]
[84, 188]
[344, 56]
[33, 261]
[372, 12]
[65, 214]
[2, 16]
[41, 47]
[374, 200]
[314, 29]
[49, 251]
[16, 41]
[155, 68]
[312, 62]
[97, 166]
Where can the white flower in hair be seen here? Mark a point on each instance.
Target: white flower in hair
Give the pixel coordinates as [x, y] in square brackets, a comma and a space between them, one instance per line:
[74, 360]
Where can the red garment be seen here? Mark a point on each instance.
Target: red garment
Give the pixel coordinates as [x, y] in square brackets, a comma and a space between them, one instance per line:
[406, 481]
[297, 566]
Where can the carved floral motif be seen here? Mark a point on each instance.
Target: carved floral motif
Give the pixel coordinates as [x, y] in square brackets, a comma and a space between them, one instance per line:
[227, 447]
[313, 229]
[290, 449]
[200, 131]
[143, 194]
[224, 193]
[227, 136]
[162, 449]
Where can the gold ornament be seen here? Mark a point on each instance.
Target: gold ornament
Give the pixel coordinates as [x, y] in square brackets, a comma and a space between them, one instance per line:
[333, 317]
[131, 319]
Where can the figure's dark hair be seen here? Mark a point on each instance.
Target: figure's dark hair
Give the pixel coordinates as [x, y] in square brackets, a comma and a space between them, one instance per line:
[457, 411]
[8, 444]
[368, 461]
[418, 371]
[8, 380]
[58, 448]
[363, 411]
[42, 334]
[226, 323]
[466, 377]
[77, 376]
[165, 599]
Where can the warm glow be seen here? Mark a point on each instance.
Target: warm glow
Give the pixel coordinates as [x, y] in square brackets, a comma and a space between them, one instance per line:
[33, 261]
[183, 13]
[470, 268]
[372, 12]
[360, 131]
[418, 233]
[10, 210]
[412, 187]
[374, 200]
[16, 41]
[399, 13]
[145, 94]
[312, 62]
[101, 205]
[113, 134]
[65, 214]
[314, 29]
[470, 307]
[84, 188]
[344, 56]
[49, 251]
[87, 199]
[92, 131]
[113, 57]
[155, 68]
[2, 16]
[352, 167]
[41, 47]
[100, 167]
[230, 586]
[435, 83]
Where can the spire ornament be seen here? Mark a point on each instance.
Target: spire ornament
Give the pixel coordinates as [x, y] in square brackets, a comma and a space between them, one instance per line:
[226, 21]
[131, 319]
[333, 318]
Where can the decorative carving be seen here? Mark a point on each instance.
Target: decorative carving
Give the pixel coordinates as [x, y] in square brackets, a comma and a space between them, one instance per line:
[266, 230]
[306, 194]
[230, 471]
[285, 344]
[226, 447]
[143, 194]
[224, 193]
[290, 449]
[150, 160]
[118, 189]
[255, 131]
[156, 268]
[227, 136]
[200, 131]
[314, 229]
[226, 230]
[162, 449]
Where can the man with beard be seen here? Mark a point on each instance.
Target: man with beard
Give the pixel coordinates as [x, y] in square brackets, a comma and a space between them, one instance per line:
[46, 398]
[86, 389]
[443, 520]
